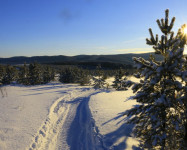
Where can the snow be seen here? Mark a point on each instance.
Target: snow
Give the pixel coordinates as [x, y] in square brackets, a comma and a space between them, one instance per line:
[22, 113]
[105, 108]
[64, 116]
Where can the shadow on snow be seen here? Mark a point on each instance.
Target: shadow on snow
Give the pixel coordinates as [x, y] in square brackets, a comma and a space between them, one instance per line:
[122, 134]
[83, 134]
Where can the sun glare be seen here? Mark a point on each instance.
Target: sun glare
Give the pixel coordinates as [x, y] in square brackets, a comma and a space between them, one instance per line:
[185, 30]
[185, 34]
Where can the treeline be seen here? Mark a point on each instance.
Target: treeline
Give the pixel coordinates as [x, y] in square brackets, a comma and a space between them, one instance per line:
[31, 74]
[35, 74]
[93, 65]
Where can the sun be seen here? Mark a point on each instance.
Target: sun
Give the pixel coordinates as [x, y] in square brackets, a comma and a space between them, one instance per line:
[185, 30]
[185, 33]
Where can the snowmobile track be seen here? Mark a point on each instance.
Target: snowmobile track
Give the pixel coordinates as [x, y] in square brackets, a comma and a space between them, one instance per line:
[82, 125]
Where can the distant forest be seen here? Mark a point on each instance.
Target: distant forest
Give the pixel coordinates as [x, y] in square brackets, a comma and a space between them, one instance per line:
[125, 59]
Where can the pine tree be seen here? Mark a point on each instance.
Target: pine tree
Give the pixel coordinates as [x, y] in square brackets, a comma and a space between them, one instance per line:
[119, 82]
[35, 74]
[69, 75]
[10, 74]
[99, 81]
[83, 77]
[24, 75]
[2, 73]
[1, 78]
[161, 114]
[48, 74]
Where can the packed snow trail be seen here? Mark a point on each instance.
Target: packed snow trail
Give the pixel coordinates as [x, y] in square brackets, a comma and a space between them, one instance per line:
[69, 124]
[83, 134]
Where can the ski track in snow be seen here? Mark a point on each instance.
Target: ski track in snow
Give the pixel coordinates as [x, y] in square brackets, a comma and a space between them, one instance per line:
[69, 124]
[83, 134]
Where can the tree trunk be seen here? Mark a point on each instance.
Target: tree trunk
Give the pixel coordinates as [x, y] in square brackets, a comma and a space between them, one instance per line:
[185, 138]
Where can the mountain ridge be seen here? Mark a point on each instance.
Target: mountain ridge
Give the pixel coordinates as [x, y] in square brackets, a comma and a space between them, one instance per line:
[115, 58]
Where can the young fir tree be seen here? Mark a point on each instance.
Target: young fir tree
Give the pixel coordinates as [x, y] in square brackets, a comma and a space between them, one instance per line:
[99, 81]
[48, 74]
[83, 77]
[119, 82]
[11, 74]
[160, 116]
[69, 75]
[2, 73]
[24, 75]
[35, 74]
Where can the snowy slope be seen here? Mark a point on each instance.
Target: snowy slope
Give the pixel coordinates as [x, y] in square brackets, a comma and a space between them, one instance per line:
[63, 116]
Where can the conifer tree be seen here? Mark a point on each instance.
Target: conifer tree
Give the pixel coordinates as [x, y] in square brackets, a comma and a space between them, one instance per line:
[24, 75]
[10, 74]
[2, 73]
[99, 81]
[119, 82]
[35, 74]
[160, 117]
[48, 74]
[83, 77]
[69, 75]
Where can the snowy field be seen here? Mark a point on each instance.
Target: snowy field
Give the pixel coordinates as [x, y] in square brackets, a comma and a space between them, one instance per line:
[60, 116]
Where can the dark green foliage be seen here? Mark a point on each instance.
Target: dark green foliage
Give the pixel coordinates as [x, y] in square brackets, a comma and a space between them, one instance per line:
[2, 73]
[83, 77]
[74, 75]
[69, 75]
[40, 74]
[24, 75]
[119, 82]
[35, 74]
[48, 74]
[27, 75]
[10, 74]
[161, 93]
[99, 81]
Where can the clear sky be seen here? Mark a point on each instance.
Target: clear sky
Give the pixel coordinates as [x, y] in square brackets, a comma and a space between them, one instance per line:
[73, 27]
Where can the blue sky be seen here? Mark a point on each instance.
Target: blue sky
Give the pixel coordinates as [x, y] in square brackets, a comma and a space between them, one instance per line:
[73, 27]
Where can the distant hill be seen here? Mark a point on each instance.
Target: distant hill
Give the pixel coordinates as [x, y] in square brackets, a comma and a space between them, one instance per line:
[61, 59]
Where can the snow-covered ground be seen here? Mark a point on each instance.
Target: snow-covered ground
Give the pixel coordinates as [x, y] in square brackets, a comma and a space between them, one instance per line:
[64, 117]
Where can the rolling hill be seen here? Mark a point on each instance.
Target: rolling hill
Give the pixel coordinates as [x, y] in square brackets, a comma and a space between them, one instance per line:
[61, 59]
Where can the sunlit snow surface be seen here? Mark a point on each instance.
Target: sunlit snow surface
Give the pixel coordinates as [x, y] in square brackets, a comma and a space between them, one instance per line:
[64, 116]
